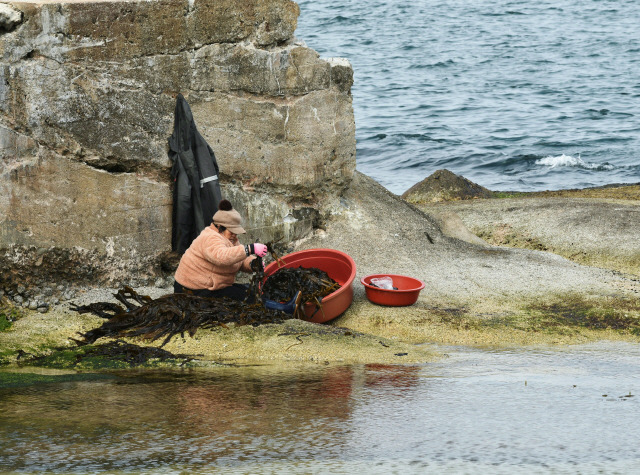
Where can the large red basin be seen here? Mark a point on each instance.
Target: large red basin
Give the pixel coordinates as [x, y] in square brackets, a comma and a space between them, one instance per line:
[338, 265]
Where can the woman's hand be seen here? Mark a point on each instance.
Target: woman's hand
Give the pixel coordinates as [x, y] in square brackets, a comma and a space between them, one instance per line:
[256, 248]
[259, 250]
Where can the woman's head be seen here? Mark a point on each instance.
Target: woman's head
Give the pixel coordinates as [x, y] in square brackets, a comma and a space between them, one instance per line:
[228, 218]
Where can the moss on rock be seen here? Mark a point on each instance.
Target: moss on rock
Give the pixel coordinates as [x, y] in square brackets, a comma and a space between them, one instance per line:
[8, 314]
[553, 319]
[106, 355]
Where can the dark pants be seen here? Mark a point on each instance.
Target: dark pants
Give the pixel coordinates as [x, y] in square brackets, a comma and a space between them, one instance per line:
[234, 291]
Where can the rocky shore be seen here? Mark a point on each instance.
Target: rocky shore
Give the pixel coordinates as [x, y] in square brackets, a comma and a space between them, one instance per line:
[477, 292]
[88, 94]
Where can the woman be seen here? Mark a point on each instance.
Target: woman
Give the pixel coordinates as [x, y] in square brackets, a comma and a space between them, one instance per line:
[209, 266]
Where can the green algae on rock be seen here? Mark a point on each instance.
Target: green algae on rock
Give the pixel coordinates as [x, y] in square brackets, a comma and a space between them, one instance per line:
[443, 185]
[8, 314]
[554, 319]
[293, 341]
[112, 355]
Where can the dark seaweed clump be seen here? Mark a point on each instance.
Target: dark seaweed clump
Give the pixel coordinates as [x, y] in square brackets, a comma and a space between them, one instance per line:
[314, 284]
[170, 315]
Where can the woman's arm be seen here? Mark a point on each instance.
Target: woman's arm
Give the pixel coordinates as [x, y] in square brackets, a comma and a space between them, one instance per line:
[218, 253]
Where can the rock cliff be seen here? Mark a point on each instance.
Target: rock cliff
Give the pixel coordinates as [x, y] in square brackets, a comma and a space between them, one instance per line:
[87, 93]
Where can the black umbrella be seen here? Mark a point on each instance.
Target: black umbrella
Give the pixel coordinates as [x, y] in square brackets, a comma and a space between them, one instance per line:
[196, 192]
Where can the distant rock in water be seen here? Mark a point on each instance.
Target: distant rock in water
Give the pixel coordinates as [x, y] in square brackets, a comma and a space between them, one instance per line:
[444, 185]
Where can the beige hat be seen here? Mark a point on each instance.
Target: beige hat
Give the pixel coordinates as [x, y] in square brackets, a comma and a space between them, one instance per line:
[229, 218]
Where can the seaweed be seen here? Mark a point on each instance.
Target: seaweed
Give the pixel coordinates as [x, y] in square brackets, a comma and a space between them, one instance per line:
[101, 309]
[286, 282]
[175, 314]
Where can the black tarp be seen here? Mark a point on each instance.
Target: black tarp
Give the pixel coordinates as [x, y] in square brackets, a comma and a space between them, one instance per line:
[196, 192]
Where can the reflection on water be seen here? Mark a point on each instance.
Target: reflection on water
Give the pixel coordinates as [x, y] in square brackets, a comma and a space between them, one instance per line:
[530, 411]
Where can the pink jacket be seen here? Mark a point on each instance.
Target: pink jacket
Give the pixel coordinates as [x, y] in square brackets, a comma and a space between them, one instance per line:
[212, 261]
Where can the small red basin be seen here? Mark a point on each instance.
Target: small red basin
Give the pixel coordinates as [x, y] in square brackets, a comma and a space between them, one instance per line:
[407, 293]
[338, 265]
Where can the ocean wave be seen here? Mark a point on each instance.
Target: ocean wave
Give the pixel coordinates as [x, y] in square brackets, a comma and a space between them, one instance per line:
[572, 162]
[503, 164]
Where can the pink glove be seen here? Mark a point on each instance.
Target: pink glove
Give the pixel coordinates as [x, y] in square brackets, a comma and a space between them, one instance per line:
[258, 249]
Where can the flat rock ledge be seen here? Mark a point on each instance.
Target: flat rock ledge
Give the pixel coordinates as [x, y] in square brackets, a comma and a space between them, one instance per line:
[292, 342]
[596, 226]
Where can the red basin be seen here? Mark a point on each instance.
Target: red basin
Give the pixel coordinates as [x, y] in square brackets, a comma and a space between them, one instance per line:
[407, 293]
[338, 265]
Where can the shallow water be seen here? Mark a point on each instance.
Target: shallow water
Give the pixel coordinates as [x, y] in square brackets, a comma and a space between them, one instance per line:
[512, 94]
[552, 410]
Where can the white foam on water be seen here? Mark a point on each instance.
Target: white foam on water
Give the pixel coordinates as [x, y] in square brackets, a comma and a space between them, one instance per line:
[571, 162]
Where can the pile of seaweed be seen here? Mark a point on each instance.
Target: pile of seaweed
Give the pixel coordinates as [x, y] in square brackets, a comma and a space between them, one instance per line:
[170, 315]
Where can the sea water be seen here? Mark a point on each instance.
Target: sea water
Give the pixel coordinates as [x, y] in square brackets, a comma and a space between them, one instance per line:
[512, 94]
[475, 411]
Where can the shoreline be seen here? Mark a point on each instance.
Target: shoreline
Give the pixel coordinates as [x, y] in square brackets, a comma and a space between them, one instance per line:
[477, 294]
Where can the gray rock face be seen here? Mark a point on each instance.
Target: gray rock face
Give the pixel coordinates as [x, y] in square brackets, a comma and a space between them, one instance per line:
[591, 231]
[87, 94]
[490, 279]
